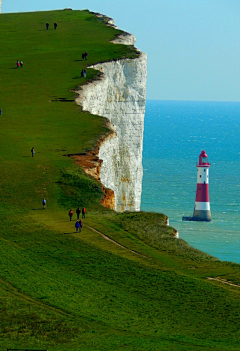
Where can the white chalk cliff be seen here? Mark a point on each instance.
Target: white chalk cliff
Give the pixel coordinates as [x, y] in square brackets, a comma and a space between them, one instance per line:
[0, 5]
[120, 95]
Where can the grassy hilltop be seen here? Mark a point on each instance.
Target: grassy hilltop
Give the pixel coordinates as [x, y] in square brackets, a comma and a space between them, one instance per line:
[65, 291]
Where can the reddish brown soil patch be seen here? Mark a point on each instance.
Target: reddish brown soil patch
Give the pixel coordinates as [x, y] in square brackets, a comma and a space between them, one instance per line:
[91, 165]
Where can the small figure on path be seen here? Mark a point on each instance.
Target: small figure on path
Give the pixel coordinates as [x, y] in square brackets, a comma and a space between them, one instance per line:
[83, 212]
[85, 73]
[47, 25]
[70, 213]
[78, 211]
[77, 226]
[44, 203]
[55, 25]
[32, 151]
[81, 224]
[21, 63]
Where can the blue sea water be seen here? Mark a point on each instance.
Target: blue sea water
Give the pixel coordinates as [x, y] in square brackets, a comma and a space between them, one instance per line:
[175, 133]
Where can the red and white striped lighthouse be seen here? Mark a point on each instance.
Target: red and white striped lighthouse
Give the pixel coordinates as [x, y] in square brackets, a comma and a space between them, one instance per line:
[202, 205]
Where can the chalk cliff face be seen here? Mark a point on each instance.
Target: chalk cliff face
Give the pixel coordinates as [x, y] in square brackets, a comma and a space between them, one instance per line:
[120, 95]
[0, 5]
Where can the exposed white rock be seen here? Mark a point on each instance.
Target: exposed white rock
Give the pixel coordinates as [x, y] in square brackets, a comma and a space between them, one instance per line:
[120, 95]
[126, 39]
[0, 5]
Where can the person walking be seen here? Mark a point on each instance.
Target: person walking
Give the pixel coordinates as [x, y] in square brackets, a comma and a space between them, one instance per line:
[85, 73]
[55, 25]
[32, 151]
[44, 203]
[78, 227]
[47, 25]
[81, 224]
[18, 64]
[21, 63]
[78, 211]
[83, 212]
[70, 213]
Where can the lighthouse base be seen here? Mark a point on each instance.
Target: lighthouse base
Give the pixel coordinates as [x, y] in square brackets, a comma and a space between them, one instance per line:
[202, 215]
[199, 216]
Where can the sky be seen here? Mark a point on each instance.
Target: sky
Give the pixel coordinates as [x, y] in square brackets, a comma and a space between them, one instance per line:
[193, 46]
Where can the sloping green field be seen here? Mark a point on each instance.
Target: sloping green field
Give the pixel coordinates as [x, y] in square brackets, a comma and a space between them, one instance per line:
[124, 282]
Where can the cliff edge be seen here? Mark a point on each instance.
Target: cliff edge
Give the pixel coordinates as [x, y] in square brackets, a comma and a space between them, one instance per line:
[120, 95]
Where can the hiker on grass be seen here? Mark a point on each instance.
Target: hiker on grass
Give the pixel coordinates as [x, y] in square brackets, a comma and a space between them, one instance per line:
[86, 54]
[21, 63]
[18, 64]
[70, 213]
[81, 224]
[83, 212]
[55, 25]
[85, 73]
[77, 226]
[44, 203]
[32, 151]
[78, 211]
[47, 25]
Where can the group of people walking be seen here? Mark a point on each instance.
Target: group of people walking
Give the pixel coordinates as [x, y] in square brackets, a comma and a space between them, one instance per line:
[55, 25]
[83, 73]
[79, 223]
[78, 212]
[19, 63]
[84, 55]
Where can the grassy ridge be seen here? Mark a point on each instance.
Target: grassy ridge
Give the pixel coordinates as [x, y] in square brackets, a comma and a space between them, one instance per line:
[63, 290]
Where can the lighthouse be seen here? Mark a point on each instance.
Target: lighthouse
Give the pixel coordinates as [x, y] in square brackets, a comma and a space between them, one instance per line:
[202, 205]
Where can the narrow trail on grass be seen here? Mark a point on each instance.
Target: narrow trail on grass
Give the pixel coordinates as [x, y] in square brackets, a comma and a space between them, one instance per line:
[11, 290]
[115, 242]
[223, 281]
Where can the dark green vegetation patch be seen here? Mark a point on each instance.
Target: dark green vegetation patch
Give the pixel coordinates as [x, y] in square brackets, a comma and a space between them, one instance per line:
[124, 282]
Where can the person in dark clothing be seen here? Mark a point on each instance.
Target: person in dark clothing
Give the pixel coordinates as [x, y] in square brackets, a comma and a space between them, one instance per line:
[32, 151]
[86, 54]
[55, 25]
[78, 211]
[18, 64]
[82, 73]
[21, 63]
[47, 25]
[81, 224]
[83, 55]
[44, 203]
[83, 212]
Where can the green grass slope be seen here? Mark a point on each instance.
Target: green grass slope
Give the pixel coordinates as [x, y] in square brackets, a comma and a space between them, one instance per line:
[124, 282]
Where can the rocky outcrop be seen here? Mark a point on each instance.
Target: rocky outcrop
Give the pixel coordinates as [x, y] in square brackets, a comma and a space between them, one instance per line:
[0, 6]
[120, 95]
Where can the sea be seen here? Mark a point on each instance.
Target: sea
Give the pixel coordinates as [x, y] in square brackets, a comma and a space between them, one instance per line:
[175, 133]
